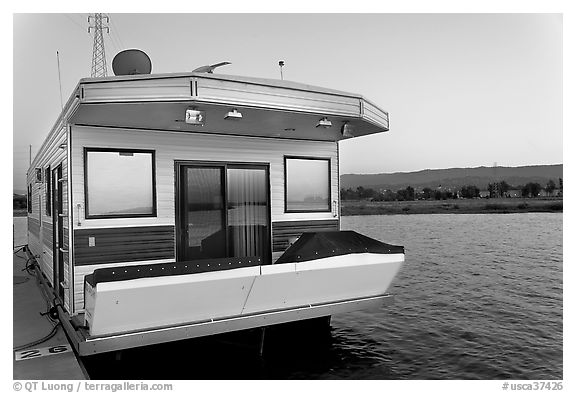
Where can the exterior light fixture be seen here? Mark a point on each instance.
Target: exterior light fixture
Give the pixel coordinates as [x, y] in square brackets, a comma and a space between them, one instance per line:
[233, 115]
[324, 123]
[63, 146]
[347, 130]
[195, 117]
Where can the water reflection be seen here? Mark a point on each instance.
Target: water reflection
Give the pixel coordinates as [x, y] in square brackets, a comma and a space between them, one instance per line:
[288, 354]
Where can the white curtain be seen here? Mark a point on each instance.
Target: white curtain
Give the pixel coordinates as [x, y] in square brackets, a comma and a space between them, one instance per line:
[247, 212]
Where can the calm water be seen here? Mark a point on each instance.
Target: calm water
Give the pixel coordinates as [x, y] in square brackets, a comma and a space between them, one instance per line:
[479, 297]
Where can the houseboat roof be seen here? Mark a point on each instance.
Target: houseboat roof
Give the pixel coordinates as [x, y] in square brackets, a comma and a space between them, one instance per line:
[235, 78]
[269, 108]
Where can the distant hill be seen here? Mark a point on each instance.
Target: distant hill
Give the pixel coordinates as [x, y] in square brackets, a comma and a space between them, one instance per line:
[455, 177]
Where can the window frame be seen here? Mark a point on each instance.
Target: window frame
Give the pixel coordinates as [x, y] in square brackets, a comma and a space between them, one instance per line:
[48, 185]
[89, 216]
[29, 199]
[311, 158]
[180, 165]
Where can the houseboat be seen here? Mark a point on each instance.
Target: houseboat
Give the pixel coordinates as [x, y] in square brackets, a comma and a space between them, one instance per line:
[163, 207]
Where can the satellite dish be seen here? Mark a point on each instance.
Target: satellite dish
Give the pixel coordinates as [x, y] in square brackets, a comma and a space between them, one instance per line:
[131, 62]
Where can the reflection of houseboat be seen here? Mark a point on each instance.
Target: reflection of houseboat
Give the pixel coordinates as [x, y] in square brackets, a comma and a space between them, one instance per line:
[164, 207]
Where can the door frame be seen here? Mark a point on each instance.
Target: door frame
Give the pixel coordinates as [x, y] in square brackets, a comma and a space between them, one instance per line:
[57, 230]
[179, 231]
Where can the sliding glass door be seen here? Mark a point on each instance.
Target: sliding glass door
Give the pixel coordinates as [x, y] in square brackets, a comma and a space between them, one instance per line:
[223, 211]
[202, 213]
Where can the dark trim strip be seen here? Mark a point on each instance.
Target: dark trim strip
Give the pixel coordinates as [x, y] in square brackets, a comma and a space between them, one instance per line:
[123, 273]
[202, 133]
[283, 232]
[124, 244]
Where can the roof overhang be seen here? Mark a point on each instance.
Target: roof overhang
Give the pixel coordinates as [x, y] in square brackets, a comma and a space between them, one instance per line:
[269, 108]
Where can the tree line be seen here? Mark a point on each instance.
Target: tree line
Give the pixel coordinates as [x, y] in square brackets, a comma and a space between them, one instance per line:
[495, 190]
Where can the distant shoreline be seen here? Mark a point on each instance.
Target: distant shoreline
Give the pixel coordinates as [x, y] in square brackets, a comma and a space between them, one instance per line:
[19, 213]
[454, 206]
[451, 206]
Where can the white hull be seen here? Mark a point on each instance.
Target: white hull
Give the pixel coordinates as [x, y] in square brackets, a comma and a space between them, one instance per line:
[149, 303]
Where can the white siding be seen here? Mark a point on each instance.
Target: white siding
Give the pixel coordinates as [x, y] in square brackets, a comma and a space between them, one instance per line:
[170, 146]
[51, 156]
[81, 271]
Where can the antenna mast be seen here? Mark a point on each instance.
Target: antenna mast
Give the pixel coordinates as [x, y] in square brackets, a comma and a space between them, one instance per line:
[281, 64]
[99, 67]
[59, 79]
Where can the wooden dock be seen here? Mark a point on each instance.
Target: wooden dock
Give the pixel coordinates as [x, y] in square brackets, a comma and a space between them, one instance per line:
[46, 360]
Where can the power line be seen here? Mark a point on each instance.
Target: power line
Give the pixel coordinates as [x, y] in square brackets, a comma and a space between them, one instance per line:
[117, 32]
[112, 42]
[115, 40]
[76, 23]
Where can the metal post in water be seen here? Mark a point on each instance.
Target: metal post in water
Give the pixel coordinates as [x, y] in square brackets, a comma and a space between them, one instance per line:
[261, 349]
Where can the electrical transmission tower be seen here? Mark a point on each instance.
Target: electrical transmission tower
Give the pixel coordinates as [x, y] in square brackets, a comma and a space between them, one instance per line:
[98, 53]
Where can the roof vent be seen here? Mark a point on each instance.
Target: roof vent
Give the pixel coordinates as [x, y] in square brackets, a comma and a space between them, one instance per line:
[210, 68]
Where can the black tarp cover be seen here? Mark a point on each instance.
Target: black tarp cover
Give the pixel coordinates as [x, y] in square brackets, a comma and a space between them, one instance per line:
[316, 245]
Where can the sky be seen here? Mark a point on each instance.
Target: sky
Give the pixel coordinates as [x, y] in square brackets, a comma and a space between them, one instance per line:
[462, 90]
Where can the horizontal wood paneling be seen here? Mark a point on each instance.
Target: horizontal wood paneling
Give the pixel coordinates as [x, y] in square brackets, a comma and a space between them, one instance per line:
[283, 231]
[124, 244]
[34, 226]
[195, 147]
[47, 234]
[49, 156]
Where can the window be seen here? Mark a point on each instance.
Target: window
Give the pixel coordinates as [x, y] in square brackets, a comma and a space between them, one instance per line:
[307, 184]
[48, 192]
[119, 183]
[29, 200]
